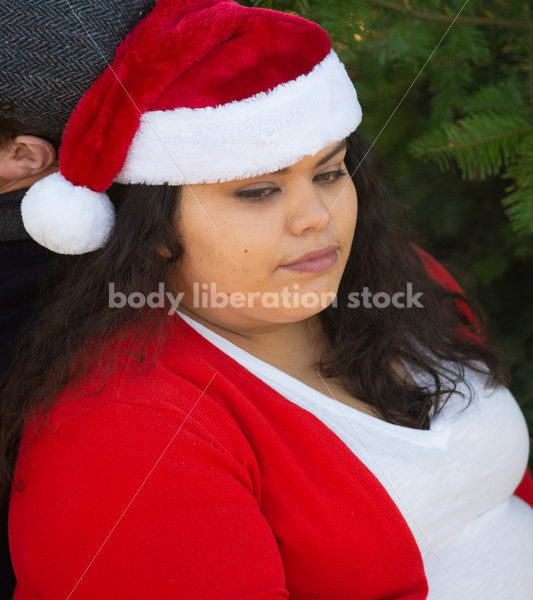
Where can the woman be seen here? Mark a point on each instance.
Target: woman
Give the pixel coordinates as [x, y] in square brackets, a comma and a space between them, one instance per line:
[253, 385]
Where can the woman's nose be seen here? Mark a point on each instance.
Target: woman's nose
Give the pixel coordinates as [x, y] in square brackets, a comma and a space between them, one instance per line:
[309, 209]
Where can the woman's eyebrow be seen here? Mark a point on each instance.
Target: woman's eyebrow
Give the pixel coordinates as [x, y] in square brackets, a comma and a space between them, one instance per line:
[336, 150]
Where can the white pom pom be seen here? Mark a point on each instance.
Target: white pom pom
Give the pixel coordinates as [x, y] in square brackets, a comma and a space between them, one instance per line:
[66, 218]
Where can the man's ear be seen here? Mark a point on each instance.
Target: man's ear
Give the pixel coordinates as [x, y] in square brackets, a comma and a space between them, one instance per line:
[26, 156]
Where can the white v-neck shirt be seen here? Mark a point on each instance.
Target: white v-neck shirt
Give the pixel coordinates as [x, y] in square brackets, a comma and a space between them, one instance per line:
[453, 483]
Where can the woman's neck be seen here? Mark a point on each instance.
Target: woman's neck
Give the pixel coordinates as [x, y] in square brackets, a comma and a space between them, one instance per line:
[291, 346]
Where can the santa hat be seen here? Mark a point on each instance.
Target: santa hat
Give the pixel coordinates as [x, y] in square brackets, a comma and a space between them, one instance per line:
[200, 91]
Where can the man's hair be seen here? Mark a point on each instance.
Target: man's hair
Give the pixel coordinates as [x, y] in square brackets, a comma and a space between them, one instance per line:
[10, 128]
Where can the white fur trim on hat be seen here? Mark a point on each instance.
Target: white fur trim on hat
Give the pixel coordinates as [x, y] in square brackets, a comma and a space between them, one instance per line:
[260, 134]
[65, 218]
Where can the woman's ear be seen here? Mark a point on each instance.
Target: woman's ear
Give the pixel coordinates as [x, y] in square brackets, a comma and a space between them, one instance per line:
[163, 251]
[26, 156]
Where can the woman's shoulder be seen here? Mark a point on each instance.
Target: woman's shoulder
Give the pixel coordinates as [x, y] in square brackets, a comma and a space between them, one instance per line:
[154, 445]
[154, 385]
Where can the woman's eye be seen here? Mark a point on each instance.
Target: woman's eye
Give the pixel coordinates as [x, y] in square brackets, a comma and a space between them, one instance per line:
[263, 194]
[256, 195]
[331, 176]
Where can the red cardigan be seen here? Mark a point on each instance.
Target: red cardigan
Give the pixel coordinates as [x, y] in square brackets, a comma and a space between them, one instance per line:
[188, 477]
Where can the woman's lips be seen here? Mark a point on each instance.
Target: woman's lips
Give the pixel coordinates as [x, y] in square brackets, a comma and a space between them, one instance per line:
[320, 263]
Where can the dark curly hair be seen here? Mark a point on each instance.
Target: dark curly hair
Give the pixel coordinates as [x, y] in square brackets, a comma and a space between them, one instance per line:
[75, 311]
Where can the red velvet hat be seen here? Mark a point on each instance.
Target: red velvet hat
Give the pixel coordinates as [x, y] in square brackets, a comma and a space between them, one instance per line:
[200, 91]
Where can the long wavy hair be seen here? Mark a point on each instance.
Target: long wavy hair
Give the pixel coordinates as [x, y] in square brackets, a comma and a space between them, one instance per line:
[364, 342]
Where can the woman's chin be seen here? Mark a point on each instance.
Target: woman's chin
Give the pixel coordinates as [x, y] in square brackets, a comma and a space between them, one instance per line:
[291, 314]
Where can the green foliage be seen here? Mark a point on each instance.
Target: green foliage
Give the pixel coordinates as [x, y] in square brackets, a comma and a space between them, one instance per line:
[459, 146]
[519, 201]
[492, 138]
[480, 143]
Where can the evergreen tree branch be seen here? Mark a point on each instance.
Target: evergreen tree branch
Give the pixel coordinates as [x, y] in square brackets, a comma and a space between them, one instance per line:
[429, 16]
[530, 52]
[519, 201]
[479, 144]
[484, 140]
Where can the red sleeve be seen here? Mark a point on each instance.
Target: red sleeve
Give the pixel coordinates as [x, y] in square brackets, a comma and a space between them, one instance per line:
[437, 272]
[102, 514]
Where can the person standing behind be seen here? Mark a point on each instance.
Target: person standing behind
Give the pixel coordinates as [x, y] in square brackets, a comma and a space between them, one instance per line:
[24, 159]
[42, 46]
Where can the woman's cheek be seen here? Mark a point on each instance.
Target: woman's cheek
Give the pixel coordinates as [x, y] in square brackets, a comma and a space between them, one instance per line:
[346, 213]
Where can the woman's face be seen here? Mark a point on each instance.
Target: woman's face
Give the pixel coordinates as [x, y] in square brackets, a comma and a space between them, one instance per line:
[240, 237]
